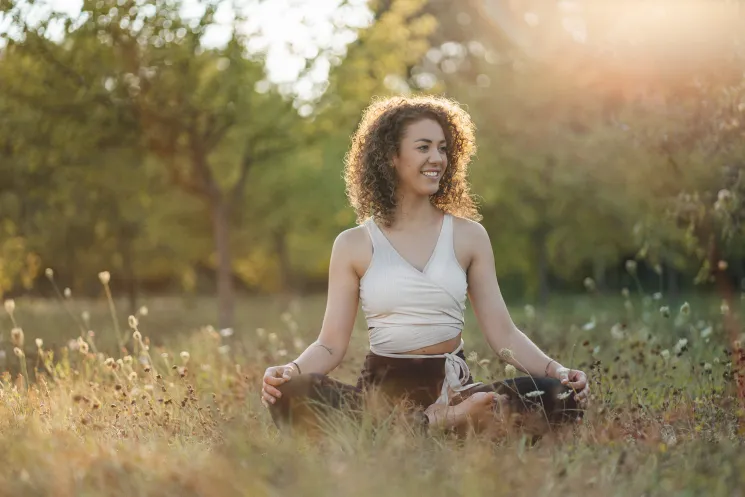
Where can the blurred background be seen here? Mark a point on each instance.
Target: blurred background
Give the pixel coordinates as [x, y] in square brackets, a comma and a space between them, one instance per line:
[194, 150]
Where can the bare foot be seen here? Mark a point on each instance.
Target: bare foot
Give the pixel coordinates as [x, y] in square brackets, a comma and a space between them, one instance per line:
[478, 409]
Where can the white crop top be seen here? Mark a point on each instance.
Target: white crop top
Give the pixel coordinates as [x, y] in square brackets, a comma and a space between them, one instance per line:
[407, 309]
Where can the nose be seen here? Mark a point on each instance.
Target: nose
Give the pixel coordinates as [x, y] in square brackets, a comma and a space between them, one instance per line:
[436, 157]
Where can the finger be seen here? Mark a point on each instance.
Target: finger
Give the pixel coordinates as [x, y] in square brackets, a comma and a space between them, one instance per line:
[274, 380]
[563, 375]
[583, 395]
[272, 391]
[268, 398]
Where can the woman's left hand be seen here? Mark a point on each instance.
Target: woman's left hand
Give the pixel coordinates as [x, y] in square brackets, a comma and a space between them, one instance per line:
[577, 381]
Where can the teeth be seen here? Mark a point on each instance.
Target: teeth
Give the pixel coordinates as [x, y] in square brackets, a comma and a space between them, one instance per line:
[431, 174]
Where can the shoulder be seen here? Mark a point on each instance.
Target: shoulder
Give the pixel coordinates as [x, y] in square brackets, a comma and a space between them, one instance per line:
[470, 241]
[353, 247]
[352, 239]
[470, 232]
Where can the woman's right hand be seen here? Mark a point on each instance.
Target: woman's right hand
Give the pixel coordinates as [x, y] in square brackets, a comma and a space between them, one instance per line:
[273, 377]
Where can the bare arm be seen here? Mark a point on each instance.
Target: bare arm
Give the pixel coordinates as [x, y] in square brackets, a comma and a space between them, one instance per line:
[492, 314]
[327, 352]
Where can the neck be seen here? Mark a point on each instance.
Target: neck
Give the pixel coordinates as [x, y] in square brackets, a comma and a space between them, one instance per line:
[414, 210]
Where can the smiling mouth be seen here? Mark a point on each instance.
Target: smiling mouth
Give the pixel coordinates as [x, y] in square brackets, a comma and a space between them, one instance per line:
[431, 174]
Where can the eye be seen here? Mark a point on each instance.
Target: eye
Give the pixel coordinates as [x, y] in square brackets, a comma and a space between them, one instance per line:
[443, 150]
[423, 148]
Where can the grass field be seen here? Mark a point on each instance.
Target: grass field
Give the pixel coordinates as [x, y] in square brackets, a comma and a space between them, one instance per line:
[185, 418]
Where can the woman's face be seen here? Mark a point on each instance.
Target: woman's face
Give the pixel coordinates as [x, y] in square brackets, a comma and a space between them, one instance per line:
[422, 158]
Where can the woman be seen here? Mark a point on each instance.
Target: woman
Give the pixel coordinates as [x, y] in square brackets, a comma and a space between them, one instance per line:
[418, 251]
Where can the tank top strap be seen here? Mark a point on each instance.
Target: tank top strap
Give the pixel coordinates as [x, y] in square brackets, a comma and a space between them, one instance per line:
[444, 241]
[375, 234]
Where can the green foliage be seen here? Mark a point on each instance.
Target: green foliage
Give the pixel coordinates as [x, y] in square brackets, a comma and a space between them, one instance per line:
[127, 142]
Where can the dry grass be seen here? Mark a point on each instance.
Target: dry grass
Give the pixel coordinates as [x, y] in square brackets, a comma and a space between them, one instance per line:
[178, 424]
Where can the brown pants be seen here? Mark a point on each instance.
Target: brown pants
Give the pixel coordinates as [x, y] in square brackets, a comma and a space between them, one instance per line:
[418, 382]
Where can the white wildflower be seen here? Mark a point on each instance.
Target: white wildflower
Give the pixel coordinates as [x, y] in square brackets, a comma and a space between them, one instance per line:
[680, 345]
[665, 311]
[657, 296]
[706, 332]
[143, 311]
[685, 309]
[724, 308]
[49, 273]
[506, 354]
[565, 395]
[133, 322]
[617, 331]
[510, 371]
[39, 343]
[226, 332]
[17, 337]
[67, 293]
[665, 354]
[10, 306]
[104, 277]
[631, 266]
[707, 367]
[185, 356]
[534, 393]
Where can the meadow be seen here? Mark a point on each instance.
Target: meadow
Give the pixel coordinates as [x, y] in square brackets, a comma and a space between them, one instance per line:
[181, 415]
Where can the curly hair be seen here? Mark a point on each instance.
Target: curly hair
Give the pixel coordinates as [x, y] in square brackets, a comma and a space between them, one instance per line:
[370, 179]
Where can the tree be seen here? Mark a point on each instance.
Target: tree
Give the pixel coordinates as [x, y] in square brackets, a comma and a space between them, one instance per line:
[145, 73]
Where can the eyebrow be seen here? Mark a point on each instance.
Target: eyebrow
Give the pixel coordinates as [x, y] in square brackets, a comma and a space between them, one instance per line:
[427, 140]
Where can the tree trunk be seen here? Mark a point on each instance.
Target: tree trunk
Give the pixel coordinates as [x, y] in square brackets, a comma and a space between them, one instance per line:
[285, 266]
[225, 291]
[128, 266]
[672, 281]
[598, 273]
[540, 242]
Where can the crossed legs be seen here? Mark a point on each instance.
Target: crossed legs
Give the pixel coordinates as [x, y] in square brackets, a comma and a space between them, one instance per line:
[530, 404]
